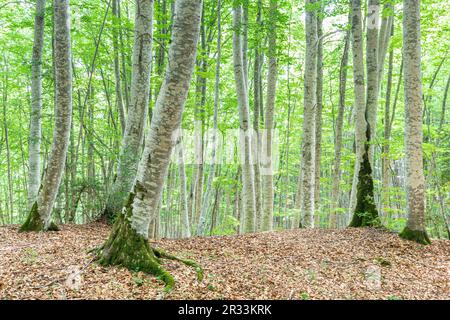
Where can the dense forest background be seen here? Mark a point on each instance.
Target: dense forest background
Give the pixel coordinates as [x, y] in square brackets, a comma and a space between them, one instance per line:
[102, 44]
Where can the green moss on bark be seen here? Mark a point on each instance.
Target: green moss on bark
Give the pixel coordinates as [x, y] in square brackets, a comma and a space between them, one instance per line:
[34, 222]
[125, 247]
[366, 214]
[418, 236]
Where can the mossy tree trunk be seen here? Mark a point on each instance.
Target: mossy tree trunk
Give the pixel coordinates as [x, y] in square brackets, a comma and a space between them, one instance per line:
[366, 214]
[128, 244]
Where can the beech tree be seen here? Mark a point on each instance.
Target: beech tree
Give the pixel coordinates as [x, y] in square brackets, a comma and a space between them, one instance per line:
[245, 136]
[34, 141]
[128, 244]
[39, 217]
[309, 106]
[415, 227]
[134, 130]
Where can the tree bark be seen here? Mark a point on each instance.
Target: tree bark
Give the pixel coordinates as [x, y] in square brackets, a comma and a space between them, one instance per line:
[309, 103]
[335, 188]
[134, 131]
[40, 213]
[415, 181]
[34, 142]
[245, 144]
[128, 242]
[201, 227]
[360, 96]
[318, 120]
[267, 168]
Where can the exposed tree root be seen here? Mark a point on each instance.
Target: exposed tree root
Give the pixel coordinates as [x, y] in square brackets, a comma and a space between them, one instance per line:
[125, 247]
[162, 254]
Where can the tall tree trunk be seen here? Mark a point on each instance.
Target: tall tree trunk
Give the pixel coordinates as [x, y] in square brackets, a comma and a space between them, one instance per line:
[185, 225]
[201, 227]
[360, 96]
[372, 71]
[34, 141]
[7, 144]
[40, 213]
[385, 161]
[309, 104]
[128, 242]
[267, 159]
[134, 131]
[335, 188]
[365, 213]
[318, 120]
[115, 34]
[257, 100]
[415, 181]
[245, 139]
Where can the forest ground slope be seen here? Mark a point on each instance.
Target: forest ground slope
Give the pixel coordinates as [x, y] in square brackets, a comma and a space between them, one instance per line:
[290, 264]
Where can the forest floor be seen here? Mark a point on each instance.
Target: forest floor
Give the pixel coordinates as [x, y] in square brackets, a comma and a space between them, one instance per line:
[290, 264]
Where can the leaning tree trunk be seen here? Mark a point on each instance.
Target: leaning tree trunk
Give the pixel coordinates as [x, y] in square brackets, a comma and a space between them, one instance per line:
[34, 142]
[134, 130]
[40, 213]
[366, 213]
[245, 144]
[128, 242]
[267, 168]
[415, 227]
[309, 104]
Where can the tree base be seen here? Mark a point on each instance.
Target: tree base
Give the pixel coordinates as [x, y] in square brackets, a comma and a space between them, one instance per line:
[126, 248]
[418, 236]
[34, 222]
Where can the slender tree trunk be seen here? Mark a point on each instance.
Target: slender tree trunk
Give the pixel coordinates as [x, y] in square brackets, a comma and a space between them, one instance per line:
[40, 213]
[385, 161]
[318, 120]
[128, 242]
[34, 141]
[267, 160]
[372, 71]
[366, 213]
[335, 189]
[201, 227]
[415, 181]
[134, 131]
[257, 98]
[245, 138]
[115, 32]
[185, 225]
[7, 143]
[360, 96]
[309, 103]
